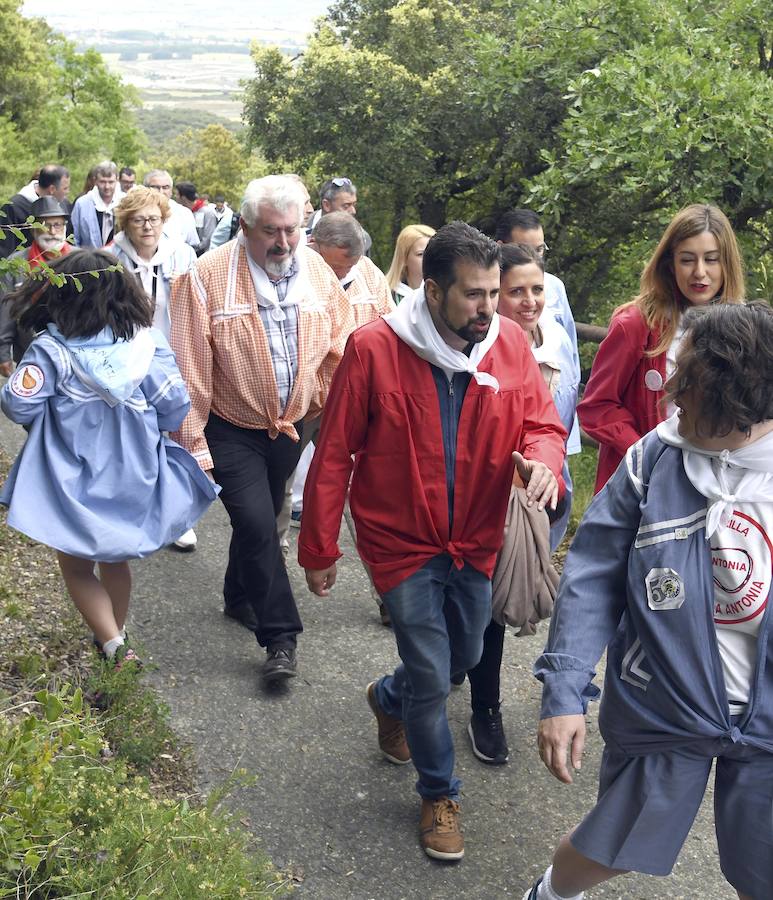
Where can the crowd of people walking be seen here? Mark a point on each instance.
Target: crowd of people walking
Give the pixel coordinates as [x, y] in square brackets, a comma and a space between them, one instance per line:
[258, 353]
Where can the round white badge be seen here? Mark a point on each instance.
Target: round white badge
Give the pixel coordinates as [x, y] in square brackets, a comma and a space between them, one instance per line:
[653, 380]
[27, 381]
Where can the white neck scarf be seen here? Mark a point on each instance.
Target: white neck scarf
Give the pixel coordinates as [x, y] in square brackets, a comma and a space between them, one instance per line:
[106, 209]
[145, 267]
[713, 472]
[413, 324]
[549, 351]
[299, 290]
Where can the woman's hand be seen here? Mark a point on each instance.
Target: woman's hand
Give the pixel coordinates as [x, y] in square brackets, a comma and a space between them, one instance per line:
[555, 738]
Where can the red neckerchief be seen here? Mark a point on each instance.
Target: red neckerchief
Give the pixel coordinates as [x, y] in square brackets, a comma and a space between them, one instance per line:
[36, 256]
[197, 204]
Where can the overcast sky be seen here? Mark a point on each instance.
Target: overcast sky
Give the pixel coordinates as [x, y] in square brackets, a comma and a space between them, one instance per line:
[183, 18]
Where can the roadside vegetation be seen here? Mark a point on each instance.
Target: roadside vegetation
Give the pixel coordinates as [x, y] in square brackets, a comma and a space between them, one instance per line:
[96, 794]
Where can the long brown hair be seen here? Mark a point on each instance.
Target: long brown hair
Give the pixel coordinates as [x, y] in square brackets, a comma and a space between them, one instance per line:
[659, 299]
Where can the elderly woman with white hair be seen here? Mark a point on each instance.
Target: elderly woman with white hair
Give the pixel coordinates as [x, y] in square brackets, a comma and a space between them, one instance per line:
[258, 326]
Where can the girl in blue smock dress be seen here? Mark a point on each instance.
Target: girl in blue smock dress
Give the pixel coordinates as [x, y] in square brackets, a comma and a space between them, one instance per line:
[97, 480]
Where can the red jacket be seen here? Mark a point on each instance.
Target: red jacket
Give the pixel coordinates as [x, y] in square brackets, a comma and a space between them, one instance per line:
[383, 408]
[618, 407]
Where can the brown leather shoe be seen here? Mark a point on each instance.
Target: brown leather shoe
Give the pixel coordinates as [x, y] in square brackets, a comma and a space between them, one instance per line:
[391, 734]
[439, 830]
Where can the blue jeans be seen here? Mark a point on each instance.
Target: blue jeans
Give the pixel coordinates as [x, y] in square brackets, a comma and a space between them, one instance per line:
[438, 616]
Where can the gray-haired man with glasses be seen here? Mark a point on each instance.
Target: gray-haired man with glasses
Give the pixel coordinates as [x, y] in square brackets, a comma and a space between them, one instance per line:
[339, 195]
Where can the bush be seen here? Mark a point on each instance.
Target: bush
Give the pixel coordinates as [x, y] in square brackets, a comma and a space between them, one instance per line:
[73, 824]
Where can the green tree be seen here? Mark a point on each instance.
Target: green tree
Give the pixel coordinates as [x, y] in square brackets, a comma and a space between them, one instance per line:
[212, 158]
[606, 117]
[57, 105]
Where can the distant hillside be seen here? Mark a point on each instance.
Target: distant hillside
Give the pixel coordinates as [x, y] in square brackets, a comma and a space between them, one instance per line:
[162, 123]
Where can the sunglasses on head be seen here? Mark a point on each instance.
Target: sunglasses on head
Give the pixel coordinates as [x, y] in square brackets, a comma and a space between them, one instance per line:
[341, 182]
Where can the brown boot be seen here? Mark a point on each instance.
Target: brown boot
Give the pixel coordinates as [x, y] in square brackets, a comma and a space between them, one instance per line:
[439, 829]
[391, 734]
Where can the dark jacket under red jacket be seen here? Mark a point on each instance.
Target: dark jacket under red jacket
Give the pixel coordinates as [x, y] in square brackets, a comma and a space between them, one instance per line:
[383, 408]
[617, 407]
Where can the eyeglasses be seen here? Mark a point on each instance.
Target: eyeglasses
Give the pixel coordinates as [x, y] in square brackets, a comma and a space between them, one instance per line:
[542, 249]
[342, 182]
[160, 187]
[54, 226]
[142, 221]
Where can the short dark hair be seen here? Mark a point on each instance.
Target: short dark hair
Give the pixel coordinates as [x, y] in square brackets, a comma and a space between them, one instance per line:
[334, 186]
[52, 175]
[523, 219]
[114, 299]
[186, 189]
[727, 355]
[219, 198]
[126, 170]
[512, 255]
[453, 242]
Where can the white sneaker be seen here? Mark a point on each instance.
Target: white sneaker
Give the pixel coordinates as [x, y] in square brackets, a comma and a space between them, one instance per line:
[187, 542]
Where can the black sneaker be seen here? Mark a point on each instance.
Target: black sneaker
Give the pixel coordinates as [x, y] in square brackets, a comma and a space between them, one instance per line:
[280, 664]
[489, 743]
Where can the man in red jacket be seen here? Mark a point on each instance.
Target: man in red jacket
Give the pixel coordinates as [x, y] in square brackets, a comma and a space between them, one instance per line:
[432, 406]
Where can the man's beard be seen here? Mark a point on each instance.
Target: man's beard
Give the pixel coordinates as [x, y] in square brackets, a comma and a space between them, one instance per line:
[277, 268]
[465, 332]
[48, 243]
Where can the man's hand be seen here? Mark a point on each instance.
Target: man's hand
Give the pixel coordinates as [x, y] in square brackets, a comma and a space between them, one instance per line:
[555, 737]
[541, 483]
[320, 581]
[6, 369]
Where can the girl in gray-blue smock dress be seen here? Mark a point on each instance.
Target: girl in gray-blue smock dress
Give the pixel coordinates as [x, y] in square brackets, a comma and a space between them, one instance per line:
[97, 480]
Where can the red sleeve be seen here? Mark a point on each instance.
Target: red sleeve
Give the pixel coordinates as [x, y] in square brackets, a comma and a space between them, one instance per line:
[601, 410]
[344, 426]
[543, 437]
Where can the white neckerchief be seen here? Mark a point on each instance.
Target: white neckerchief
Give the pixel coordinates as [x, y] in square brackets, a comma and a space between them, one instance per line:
[164, 253]
[549, 351]
[298, 290]
[350, 276]
[413, 324]
[106, 209]
[750, 466]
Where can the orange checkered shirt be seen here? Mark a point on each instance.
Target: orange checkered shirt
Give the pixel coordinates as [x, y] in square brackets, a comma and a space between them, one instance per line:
[223, 353]
[369, 293]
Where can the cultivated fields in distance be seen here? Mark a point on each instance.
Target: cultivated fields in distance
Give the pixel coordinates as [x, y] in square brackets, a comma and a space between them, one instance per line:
[206, 81]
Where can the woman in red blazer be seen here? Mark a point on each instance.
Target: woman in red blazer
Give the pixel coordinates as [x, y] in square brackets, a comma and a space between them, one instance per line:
[696, 262]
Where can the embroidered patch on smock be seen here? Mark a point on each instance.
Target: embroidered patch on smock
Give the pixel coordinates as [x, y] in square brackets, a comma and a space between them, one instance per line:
[665, 589]
[28, 381]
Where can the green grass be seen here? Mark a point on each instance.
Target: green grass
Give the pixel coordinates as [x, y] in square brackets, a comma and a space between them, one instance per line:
[582, 467]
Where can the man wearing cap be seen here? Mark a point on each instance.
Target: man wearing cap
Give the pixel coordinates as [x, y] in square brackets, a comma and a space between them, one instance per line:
[48, 243]
[52, 181]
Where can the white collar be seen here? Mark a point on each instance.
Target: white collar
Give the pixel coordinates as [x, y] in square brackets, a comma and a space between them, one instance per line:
[707, 471]
[100, 204]
[413, 324]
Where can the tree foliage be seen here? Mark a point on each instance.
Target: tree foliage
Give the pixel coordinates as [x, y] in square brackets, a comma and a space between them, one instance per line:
[604, 116]
[57, 105]
[212, 158]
